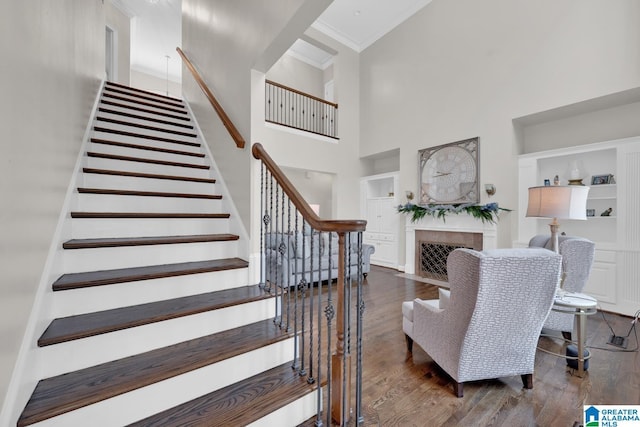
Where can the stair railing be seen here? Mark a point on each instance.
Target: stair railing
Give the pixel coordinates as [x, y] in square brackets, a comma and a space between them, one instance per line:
[299, 110]
[301, 254]
[226, 121]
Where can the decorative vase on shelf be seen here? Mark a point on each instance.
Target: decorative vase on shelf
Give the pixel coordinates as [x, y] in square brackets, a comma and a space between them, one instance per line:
[574, 174]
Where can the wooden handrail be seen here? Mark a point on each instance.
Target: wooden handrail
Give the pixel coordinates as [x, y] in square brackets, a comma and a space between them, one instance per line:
[339, 226]
[233, 131]
[290, 89]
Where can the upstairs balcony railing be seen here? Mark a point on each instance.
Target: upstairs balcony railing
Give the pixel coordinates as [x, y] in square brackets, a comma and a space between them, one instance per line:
[295, 109]
[301, 255]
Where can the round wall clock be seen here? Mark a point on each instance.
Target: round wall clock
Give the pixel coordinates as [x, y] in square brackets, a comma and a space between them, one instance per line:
[449, 173]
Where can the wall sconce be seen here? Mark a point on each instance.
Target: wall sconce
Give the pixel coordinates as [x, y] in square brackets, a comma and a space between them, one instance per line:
[490, 189]
[409, 195]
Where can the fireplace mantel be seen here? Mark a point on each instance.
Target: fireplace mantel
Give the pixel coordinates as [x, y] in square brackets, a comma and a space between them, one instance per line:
[461, 222]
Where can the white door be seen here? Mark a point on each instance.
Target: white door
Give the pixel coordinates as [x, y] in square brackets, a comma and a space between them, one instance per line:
[328, 91]
[110, 56]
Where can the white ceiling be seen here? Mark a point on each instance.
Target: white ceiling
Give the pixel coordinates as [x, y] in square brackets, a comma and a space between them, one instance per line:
[156, 30]
[359, 23]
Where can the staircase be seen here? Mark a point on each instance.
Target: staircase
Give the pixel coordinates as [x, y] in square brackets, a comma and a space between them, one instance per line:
[154, 321]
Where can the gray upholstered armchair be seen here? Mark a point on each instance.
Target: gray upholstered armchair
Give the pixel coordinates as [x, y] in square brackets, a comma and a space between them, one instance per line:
[488, 325]
[577, 259]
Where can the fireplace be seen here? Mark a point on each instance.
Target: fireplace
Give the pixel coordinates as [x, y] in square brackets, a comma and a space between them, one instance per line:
[432, 247]
[458, 230]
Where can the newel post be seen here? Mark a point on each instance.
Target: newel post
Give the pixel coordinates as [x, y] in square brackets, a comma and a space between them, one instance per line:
[341, 359]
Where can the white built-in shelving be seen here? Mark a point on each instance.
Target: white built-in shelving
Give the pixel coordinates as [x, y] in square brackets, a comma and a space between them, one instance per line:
[615, 278]
[379, 201]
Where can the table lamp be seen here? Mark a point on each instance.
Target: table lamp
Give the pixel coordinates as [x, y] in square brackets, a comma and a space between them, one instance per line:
[558, 202]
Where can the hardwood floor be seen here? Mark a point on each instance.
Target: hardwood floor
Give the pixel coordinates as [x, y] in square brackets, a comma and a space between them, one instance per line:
[400, 389]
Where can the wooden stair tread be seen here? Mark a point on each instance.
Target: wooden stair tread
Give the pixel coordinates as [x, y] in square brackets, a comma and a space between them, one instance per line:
[138, 95]
[144, 136]
[133, 274]
[145, 110]
[90, 324]
[63, 393]
[146, 127]
[143, 160]
[148, 175]
[238, 404]
[111, 242]
[135, 89]
[115, 192]
[146, 118]
[146, 147]
[147, 104]
[145, 215]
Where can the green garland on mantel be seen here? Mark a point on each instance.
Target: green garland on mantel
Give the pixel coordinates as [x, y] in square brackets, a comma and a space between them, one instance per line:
[485, 213]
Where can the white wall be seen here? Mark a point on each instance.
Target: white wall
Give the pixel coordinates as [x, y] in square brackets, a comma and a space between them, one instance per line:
[462, 68]
[298, 75]
[53, 61]
[156, 84]
[340, 158]
[605, 124]
[121, 24]
[315, 187]
[225, 41]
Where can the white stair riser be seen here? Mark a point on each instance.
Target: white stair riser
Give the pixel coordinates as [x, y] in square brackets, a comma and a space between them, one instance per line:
[135, 99]
[132, 92]
[172, 124]
[149, 154]
[141, 140]
[123, 410]
[82, 353]
[83, 228]
[124, 203]
[92, 180]
[129, 110]
[129, 107]
[291, 415]
[134, 166]
[97, 298]
[96, 259]
[146, 128]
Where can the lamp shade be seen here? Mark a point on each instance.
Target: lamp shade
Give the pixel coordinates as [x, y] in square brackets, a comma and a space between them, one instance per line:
[562, 202]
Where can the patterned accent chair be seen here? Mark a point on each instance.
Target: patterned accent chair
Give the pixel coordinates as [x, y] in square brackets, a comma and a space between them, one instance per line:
[488, 325]
[577, 259]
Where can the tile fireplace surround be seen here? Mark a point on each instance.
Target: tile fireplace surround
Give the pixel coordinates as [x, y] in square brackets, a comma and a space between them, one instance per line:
[454, 223]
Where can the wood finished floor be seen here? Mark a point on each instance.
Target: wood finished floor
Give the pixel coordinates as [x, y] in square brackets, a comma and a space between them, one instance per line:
[404, 390]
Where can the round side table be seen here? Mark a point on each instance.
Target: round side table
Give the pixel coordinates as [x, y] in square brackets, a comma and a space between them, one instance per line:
[581, 306]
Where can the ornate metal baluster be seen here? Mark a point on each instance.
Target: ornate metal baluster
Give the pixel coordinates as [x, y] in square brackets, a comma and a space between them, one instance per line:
[320, 313]
[329, 314]
[268, 220]
[302, 290]
[281, 251]
[296, 272]
[361, 307]
[287, 236]
[346, 316]
[263, 230]
[314, 236]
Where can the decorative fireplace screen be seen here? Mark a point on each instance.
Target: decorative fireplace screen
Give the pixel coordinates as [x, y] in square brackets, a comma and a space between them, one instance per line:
[433, 259]
[433, 247]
